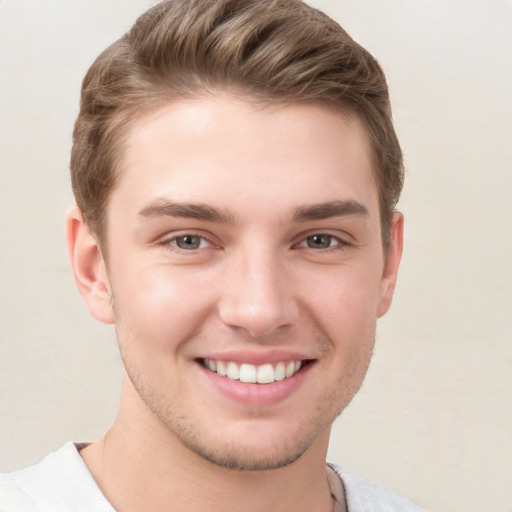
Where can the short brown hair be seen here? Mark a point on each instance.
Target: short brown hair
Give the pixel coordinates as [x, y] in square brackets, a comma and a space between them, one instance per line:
[273, 51]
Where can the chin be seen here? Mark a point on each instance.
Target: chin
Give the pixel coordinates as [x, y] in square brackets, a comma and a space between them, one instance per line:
[251, 458]
[254, 445]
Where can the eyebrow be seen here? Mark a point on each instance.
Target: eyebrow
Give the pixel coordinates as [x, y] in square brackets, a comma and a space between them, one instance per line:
[199, 211]
[327, 210]
[165, 208]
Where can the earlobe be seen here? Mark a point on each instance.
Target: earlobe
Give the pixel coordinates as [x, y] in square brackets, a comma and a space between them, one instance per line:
[390, 272]
[89, 267]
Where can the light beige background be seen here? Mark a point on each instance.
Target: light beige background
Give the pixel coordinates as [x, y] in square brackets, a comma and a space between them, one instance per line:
[434, 418]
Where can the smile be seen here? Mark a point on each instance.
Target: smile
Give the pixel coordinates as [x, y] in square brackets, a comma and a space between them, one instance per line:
[254, 374]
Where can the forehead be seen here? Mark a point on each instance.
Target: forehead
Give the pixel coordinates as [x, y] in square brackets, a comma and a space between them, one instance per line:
[227, 151]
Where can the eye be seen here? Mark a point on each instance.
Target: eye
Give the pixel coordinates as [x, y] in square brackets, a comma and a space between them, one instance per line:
[189, 242]
[320, 241]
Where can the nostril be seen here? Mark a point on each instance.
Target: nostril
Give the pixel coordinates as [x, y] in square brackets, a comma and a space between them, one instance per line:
[258, 322]
[257, 297]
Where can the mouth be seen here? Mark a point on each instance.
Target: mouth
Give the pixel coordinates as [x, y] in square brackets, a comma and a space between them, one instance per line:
[267, 373]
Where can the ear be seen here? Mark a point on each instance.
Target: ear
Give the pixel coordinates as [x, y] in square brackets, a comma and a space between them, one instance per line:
[391, 263]
[89, 268]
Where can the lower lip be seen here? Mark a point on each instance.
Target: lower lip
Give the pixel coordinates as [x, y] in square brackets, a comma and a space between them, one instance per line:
[257, 394]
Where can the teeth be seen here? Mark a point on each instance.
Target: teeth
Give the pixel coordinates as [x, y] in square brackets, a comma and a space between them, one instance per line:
[279, 371]
[221, 369]
[233, 371]
[248, 373]
[290, 369]
[264, 374]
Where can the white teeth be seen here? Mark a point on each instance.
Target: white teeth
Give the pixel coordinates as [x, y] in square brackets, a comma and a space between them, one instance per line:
[279, 372]
[221, 369]
[248, 373]
[233, 371]
[266, 374]
[290, 368]
[245, 372]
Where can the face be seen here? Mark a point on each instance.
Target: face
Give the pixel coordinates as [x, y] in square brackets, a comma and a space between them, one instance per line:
[246, 272]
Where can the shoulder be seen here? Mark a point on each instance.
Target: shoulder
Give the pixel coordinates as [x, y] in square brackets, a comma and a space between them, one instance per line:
[365, 496]
[60, 482]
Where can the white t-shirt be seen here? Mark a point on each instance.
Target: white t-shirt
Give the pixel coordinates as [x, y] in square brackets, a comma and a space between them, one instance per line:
[62, 483]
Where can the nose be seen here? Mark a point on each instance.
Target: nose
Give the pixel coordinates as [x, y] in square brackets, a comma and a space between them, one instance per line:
[258, 294]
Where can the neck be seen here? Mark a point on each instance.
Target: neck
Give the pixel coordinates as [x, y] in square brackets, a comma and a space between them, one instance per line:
[139, 465]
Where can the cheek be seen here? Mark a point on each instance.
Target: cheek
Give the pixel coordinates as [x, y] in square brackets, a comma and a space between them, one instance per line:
[345, 302]
[160, 307]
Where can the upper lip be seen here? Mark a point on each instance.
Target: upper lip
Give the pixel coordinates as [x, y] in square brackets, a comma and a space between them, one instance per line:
[256, 358]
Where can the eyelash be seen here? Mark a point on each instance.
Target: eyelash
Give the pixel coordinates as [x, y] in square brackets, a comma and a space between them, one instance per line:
[204, 242]
[339, 243]
[335, 242]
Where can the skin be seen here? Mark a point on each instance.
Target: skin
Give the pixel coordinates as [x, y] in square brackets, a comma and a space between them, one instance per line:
[283, 261]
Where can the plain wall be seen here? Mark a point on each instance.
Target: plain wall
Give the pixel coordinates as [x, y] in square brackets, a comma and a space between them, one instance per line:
[434, 417]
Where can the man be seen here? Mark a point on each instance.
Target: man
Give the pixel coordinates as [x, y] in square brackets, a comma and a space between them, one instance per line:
[236, 170]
